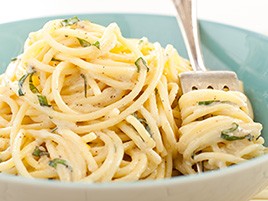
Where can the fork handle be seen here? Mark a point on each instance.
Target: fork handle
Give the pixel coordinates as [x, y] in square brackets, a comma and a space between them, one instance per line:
[187, 20]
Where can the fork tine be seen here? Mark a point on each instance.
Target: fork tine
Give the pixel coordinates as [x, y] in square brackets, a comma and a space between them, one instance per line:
[219, 80]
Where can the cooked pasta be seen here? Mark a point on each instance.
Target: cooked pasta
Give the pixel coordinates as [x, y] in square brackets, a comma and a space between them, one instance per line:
[217, 131]
[83, 103]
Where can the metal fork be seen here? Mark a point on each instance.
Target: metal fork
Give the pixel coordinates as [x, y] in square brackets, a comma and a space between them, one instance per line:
[200, 78]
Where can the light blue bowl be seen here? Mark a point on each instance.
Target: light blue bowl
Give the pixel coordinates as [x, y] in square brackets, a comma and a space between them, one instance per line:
[224, 47]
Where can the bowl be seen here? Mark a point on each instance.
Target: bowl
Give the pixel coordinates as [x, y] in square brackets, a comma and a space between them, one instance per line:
[224, 48]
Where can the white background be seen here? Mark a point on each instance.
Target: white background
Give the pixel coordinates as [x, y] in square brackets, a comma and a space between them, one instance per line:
[249, 14]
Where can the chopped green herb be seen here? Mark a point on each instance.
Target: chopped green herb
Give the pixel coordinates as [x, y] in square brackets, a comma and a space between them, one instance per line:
[232, 129]
[258, 137]
[33, 88]
[147, 127]
[249, 137]
[207, 102]
[14, 59]
[83, 42]
[144, 123]
[225, 134]
[85, 84]
[43, 101]
[20, 92]
[212, 101]
[229, 102]
[140, 119]
[21, 81]
[141, 63]
[96, 44]
[54, 163]
[38, 152]
[70, 21]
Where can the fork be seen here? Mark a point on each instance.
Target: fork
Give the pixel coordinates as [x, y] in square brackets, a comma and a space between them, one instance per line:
[200, 78]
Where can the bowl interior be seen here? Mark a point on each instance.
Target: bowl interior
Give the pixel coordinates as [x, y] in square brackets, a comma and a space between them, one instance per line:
[224, 48]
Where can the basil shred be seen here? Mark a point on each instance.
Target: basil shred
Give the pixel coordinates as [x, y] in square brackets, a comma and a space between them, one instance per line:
[85, 43]
[207, 102]
[85, 84]
[54, 163]
[141, 63]
[43, 101]
[38, 152]
[21, 82]
[14, 59]
[96, 44]
[144, 123]
[225, 134]
[70, 21]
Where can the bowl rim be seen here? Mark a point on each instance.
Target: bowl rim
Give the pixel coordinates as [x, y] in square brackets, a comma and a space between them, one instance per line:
[184, 179]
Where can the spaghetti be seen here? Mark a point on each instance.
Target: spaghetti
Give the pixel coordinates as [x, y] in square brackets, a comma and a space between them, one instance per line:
[83, 103]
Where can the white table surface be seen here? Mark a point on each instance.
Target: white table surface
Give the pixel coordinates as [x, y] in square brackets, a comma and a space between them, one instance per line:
[249, 14]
